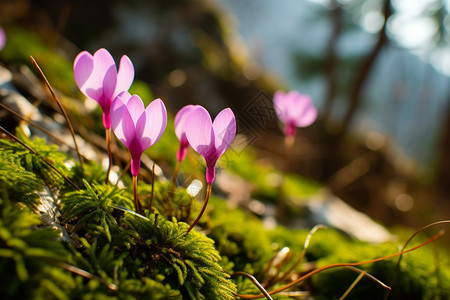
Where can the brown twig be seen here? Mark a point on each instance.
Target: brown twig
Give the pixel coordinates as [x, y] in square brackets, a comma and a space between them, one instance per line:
[55, 98]
[394, 277]
[318, 270]
[255, 282]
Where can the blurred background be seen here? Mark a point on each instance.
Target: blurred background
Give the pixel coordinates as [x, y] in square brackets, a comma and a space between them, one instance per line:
[378, 70]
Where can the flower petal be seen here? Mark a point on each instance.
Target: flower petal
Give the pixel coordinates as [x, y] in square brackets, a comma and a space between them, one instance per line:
[180, 121]
[105, 71]
[135, 106]
[125, 75]
[83, 66]
[224, 130]
[122, 123]
[199, 132]
[152, 123]
[309, 115]
[281, 106]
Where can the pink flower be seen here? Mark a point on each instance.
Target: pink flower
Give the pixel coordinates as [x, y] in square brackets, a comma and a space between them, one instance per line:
[97, 78]
[294, 110]
[210, 139]
[137, 127]
[2, 38]
[180, 130]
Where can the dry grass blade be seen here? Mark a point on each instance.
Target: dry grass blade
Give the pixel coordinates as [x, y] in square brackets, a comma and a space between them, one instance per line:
[394, 277]
[370, 276]
[302, 255]
[255, 282]
[69, 124]
[88, 275]
[318, 270]
[27, 120]
[350, 288]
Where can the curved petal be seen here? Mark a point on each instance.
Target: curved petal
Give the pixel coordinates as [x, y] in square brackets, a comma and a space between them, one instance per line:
[199, 131]
[122, 123]
[281, 106]
[309, 115]
[224, 130]
[83, 66]
[180, 121]
[2, 38]
[152, 123]
[135, 106]
[105, 72]
[125, 75]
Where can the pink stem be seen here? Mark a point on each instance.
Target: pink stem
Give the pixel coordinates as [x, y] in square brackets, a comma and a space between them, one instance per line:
[136, 203]
[108, 143]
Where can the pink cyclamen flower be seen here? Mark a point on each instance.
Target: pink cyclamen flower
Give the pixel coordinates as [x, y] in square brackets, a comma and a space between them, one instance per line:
[294, 110]
[2, 38]
[180, 130]
[137, 127]
[210, 139]
[97, 78]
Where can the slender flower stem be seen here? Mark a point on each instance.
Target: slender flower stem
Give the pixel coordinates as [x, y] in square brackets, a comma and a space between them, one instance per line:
[289, 145]
[208, 193]
[281, 207]
[136, 203]
[108, 143]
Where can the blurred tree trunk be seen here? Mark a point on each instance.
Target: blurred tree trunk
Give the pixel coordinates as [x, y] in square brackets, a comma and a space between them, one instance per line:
[442, 178]
[355, 94]
[331, 61]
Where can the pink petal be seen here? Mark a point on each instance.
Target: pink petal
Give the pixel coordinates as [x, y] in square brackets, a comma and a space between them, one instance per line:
[152, 123]
[180, 121]
[122, 123]
[83, 66]
[281, 106]
[125, 75]
[2, 38]
[134, 105]
[309, 115]
[199, 131]
[105, 73]
[224, 130]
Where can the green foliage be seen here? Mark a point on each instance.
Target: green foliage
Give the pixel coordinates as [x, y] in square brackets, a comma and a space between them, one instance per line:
[11, 173]
[38, 164]
[91, 210]
[190, 261]
[23, 43]
[240, 238]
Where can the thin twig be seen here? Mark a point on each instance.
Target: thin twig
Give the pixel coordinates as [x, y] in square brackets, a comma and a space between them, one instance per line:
[318, 270]
[302, 255]
[394, 277]
[370, 276]
[88, 275]
[355, 282]
[55, 98]
[27, 120]
[255, 281]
